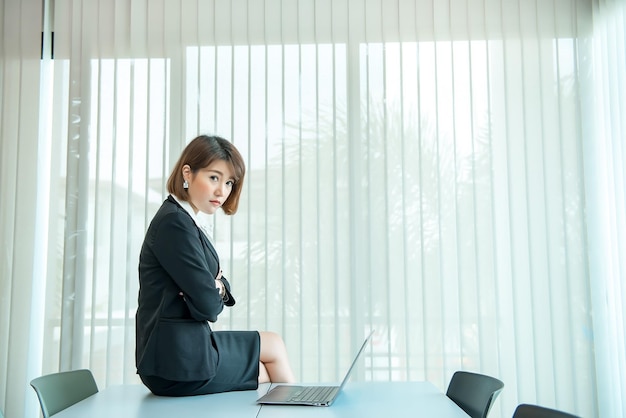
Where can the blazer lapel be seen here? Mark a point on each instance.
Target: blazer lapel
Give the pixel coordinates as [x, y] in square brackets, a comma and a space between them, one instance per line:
[203, 238]
[207, 244]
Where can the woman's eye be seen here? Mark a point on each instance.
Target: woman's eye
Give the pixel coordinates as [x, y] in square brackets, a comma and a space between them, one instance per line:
[214, 178]
[230, 183]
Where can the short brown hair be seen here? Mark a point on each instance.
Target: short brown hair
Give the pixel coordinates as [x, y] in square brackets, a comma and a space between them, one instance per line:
[201, 152]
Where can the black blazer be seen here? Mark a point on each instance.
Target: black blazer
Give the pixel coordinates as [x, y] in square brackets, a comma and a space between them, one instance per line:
[173, 336]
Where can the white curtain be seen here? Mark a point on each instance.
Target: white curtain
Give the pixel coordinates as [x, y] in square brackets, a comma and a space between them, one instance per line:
[450, 174]
[602, 91]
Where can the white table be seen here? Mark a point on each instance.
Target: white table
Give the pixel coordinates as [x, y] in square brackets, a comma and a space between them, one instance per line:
[136, 401]
[362, 400]
[377, 399]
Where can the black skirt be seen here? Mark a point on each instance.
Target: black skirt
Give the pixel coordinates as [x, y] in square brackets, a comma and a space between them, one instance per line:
[237, 368]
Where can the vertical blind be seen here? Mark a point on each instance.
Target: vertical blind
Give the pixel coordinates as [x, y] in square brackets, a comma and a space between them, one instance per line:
[604, 157]
[449, 174]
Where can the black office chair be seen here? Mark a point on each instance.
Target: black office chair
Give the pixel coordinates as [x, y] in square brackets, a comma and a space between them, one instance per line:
[536, 411]
[474, 393]
[58, 391]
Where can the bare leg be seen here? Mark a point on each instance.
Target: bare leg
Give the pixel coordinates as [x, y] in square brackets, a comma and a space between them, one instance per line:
[274, 362]
[264, 376]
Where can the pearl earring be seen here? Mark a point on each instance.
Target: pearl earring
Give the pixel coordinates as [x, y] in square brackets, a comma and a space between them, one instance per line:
[185, 184]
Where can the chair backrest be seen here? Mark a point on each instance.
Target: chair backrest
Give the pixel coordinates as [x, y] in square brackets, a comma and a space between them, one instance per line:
[473, 392]
[536, 411]
[58, 391]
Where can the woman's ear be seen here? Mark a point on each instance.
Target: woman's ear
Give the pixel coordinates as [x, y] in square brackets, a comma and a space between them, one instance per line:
[186, 172]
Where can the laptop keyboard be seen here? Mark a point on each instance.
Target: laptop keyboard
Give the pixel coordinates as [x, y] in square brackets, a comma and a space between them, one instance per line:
[312, 394]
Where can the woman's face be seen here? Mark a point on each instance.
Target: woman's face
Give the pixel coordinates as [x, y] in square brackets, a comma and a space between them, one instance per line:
[210, 186]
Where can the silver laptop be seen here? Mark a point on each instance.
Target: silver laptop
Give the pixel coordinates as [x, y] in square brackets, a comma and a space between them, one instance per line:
[310, 395]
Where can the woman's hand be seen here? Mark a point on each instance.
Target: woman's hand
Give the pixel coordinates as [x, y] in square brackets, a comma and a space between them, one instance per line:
[219, 284]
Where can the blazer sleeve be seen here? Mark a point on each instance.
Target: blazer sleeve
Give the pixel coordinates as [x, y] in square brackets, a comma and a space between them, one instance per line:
[229, 299]
[179, 249]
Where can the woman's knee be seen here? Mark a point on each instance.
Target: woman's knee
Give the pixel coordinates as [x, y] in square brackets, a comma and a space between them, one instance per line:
[274, 359]
[272, 346]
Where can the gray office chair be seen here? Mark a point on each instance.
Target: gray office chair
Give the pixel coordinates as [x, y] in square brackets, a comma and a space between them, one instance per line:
[474, 393]
[536, 411]
[58, 391]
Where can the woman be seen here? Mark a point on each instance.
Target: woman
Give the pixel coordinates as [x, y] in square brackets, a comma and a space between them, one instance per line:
[181, 288]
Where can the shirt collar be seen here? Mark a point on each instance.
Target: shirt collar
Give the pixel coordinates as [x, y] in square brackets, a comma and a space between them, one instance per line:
[201, 220]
